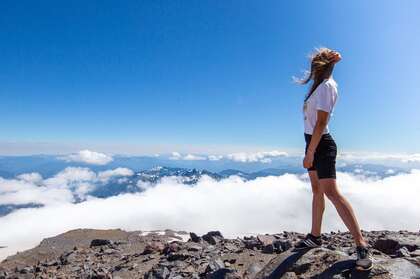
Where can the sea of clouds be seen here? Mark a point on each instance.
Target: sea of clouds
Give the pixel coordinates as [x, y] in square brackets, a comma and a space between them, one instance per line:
[233, 206]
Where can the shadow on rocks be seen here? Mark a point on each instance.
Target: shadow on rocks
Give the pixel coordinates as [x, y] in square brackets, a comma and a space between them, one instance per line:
[281, 264]
[340, 268]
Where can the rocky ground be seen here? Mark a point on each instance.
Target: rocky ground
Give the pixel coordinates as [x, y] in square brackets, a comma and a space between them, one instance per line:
[154, 255]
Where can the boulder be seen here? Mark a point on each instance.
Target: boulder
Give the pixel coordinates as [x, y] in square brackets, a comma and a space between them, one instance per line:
[266, 239]
[171, 247]
[391, 243]
[99, 242]
[252, 243]
[289, 275]
[415, 253]
[214, 265]
[178, 256]
[193, 247]
[403, 252]
[224, 273]
[267, 243]
[281, 245]
[194, 237]
[399, 268]
[160, 272]
[213, 237]
[252, 270]
[26, 270]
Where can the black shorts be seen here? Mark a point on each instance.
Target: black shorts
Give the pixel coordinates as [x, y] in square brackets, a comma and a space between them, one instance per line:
[324, 157]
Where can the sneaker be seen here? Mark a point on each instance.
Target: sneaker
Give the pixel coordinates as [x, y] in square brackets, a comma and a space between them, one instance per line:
[364, 261]
[309, 242]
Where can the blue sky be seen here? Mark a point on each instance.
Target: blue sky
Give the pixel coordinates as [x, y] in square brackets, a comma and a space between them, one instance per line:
[172, 74]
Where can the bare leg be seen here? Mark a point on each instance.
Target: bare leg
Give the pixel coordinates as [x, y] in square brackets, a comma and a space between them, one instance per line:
[318, 204]
[344, 209]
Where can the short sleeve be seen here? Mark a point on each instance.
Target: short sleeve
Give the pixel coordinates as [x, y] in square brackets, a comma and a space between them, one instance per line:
[325, 98]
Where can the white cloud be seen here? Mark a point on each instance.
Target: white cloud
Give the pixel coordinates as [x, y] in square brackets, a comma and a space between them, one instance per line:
[82, 189]
[16, 192]
[263, 157]
[75, 179]
[175, 156]
[122, 180]
[379, 157]
[243, 157]
[411, 158]
[104, 176]
[88, 157]
[191, 157]
[32, 177]
[70, 183]
[58, 189]
[236, 207]
[143, 185]
[188, 157]
[215, 157]
[390, 171]
[70, 175]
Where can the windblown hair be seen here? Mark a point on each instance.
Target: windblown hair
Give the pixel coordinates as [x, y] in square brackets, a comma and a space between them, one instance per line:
[321, 68]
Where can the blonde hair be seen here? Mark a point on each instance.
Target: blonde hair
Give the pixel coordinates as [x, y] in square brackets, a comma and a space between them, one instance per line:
[321, 67]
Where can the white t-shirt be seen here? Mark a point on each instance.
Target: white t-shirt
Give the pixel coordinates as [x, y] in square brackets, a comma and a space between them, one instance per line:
[323, 98]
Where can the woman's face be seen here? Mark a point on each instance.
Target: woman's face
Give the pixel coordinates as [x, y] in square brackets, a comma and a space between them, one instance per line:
[335, 56]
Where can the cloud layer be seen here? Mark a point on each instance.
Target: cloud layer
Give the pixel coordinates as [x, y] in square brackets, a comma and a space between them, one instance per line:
[380, 157]
[88, 157]
[243, 157]
[188, 157]
[67, 186]
[263, 157]
[236, 207]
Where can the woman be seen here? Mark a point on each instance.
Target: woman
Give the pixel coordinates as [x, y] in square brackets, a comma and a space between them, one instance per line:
[321, 152]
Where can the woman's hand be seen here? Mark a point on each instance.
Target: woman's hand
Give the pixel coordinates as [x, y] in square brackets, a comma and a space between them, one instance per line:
[334, 56]
[308, 160]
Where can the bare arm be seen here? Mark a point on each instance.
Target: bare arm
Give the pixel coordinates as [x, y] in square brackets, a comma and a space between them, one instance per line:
[321, 123]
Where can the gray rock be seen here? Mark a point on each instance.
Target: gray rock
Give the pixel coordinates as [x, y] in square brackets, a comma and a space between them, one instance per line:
[266, 243]
[386, 245]
[415, 253]
[252, 243]
[403, 252]
[161, 272]
[153, 247]
[230, 247]
[291, 275]
[178, 256]
[223, 273]
[26, 270]
[253, 269]
[100, 242]
[51, 263]
[214, 264]
[400, 268]
[194, 237]
[282, 245]
[268, 249]
[266, 239]
[227, 258]
[171, 247]
[194, 247]
[213, 237]
[391, 243]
